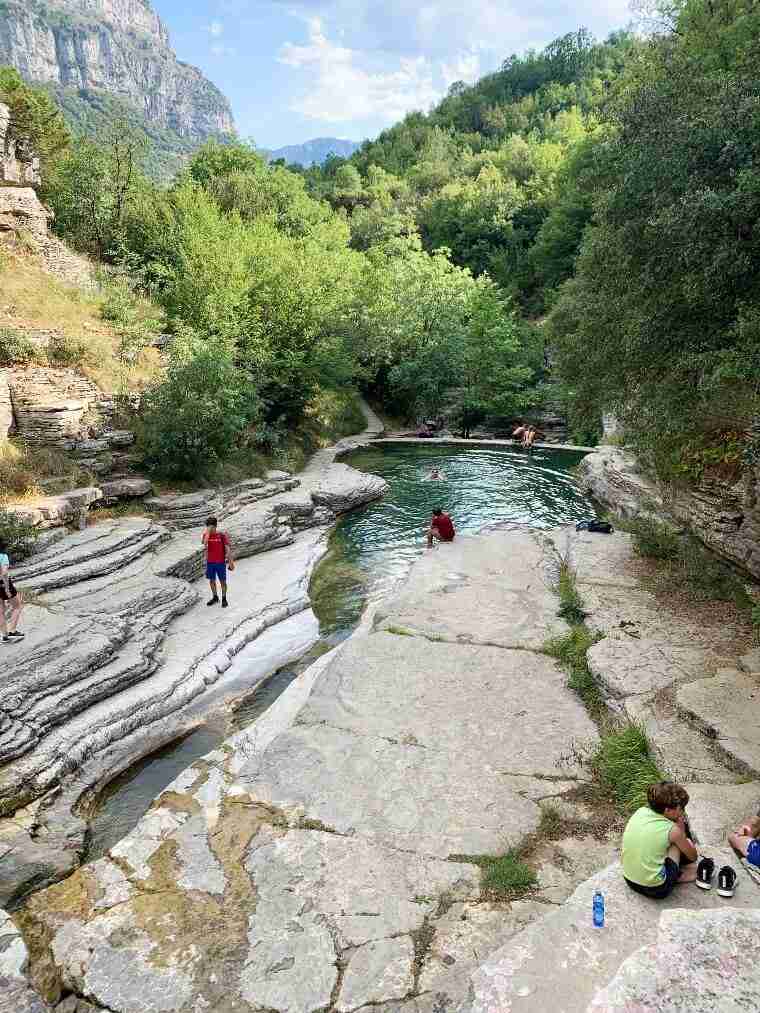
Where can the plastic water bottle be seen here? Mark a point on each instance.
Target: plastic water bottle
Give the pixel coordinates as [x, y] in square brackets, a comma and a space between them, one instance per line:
[598, 907]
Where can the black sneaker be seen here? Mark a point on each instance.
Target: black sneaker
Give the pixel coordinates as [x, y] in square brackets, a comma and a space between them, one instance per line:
[726, 881]
[10, 640]
[705, 873]
[16, 635]
[214, 601]
[224, 603]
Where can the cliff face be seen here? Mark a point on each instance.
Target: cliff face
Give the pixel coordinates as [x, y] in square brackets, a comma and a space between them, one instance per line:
[117, 46]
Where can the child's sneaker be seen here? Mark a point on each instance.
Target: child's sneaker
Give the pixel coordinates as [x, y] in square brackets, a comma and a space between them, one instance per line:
[726, 881]
[705, 873]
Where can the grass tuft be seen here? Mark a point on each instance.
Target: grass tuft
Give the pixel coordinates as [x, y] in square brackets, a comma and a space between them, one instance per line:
[571, 651]
[624, 766]
[653, 539]
[571, 604]
[503, 877]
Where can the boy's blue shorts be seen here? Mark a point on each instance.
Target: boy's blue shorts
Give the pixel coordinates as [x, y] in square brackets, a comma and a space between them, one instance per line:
[753, 852]
[216, 571]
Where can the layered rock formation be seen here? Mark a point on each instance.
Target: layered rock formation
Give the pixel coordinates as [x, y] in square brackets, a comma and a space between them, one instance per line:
[121, 655]
[117, 46]
[321, 860]
[22, 213]
[726, 518]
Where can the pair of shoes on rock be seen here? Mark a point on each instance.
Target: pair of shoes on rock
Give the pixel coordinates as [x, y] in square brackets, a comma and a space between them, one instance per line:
[726, 877]
[215, 601]
[12, 638]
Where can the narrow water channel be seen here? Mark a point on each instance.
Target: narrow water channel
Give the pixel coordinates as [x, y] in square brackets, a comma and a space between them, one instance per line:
[371, 549]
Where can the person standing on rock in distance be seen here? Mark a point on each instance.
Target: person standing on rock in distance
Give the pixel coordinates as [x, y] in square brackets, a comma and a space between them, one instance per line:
[10, 595]
[218, 558]
[441, 528]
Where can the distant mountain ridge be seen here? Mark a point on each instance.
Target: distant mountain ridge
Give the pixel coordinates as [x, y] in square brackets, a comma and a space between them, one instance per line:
[314, 152]
[100, 56]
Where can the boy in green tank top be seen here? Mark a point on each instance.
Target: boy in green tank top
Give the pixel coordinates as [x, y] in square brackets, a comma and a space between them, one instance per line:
[657, 852]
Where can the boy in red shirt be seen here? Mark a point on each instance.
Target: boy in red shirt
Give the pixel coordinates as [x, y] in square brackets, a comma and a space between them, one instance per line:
[440, 528]
[218, 557]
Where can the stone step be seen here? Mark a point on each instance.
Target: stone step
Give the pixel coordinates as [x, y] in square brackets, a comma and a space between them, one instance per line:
[679, 748]
[726, 708]
[562, 962]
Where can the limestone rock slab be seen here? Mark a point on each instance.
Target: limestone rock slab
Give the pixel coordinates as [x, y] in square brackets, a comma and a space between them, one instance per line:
[489, 590]
[626, 665]
[125, 488]
[512, 711]
[562, 961]
[726, 708]
[702, 961]
[379, 971]
[399, 795]
[717, 809]
[344, 488]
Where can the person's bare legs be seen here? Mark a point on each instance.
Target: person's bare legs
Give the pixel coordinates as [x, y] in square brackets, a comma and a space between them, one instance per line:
[3, 622]
[688, 872]
[16, 605]
[739, 841]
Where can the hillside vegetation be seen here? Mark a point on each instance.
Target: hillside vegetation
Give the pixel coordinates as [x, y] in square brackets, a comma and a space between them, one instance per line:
[594, 205]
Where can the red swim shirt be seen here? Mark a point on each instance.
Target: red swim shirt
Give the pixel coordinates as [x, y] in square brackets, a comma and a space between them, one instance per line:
[216, 543]
[444, 527]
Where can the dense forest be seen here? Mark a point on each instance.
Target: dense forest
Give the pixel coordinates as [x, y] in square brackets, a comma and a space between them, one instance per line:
[594, 206]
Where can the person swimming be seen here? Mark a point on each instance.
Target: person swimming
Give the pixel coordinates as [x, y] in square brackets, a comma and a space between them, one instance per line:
[436, 475]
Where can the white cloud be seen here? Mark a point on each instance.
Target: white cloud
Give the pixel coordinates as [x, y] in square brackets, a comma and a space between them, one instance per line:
[215, 29]
[362, 60]
[347, 84]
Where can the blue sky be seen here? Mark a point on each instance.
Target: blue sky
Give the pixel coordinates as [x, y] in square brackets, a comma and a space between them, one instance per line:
[349, 68]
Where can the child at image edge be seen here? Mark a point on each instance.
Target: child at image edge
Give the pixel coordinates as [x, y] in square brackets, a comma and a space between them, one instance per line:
[657, 852]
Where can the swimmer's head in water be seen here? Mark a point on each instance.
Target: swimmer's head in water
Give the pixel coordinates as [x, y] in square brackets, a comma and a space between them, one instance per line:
[437, 512]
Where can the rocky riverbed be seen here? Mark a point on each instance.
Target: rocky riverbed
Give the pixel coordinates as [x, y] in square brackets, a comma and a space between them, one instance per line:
[322, 859]
[122, 656]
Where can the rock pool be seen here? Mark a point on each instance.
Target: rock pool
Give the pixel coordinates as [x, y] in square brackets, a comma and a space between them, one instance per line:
[371, 549]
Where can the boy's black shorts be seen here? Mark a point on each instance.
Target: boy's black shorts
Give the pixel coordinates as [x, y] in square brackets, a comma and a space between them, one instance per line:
[11, 593]
[660, 892]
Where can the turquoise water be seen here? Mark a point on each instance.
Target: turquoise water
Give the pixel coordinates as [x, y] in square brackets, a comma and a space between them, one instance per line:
[373, 548]
[370, 550]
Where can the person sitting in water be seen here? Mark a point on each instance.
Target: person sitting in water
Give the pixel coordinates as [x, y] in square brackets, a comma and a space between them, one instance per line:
[424, 432]
[519, 433]
[441, 528]
[436, 475]
[529, 437]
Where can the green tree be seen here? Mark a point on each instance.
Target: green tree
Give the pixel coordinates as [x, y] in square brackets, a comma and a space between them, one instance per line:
[194, 417]
[658, 320]
[216, 160]
[36, 120]
[98, 189]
